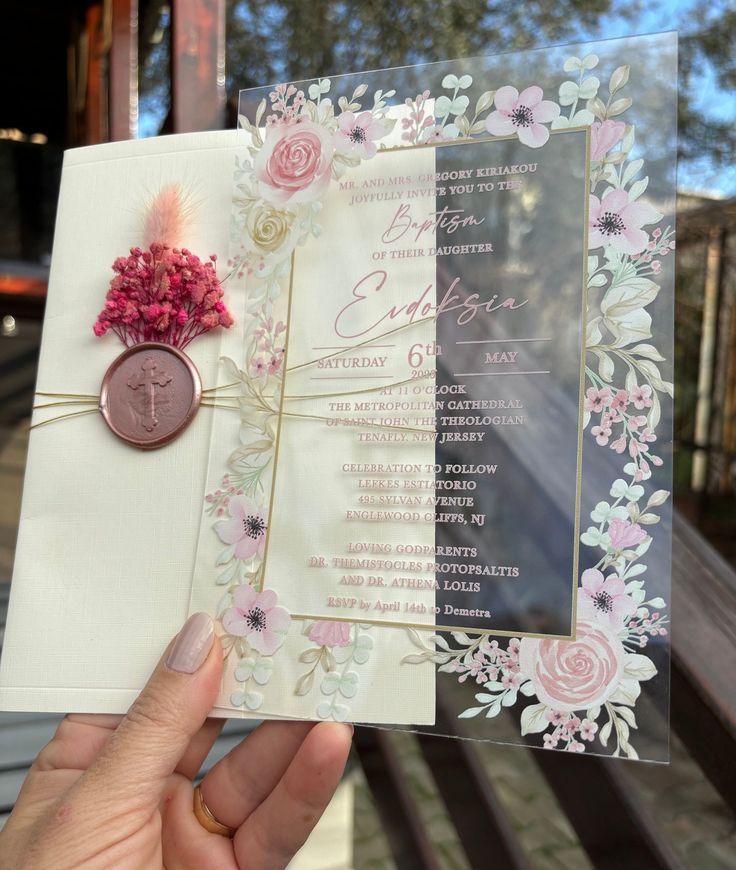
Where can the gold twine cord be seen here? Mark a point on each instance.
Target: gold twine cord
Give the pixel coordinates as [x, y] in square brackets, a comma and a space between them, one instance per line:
[67, 402]
[63, 417]
[68, 395]
[221, 387]
[211, 399]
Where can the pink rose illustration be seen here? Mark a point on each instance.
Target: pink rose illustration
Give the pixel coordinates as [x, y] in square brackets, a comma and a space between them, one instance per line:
[617, 221]
[624, 533]
[294, 164]
[357, 134]
[327, 632]
[605, 598]
[256, 617]
[574, 674]
[246, 529]
[603, 136]
[522, 113]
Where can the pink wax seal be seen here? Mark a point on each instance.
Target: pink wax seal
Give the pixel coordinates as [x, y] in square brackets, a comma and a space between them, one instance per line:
[150, 394]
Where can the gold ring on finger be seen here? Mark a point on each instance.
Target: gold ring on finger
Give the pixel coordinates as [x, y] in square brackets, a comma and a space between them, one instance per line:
[206, 818]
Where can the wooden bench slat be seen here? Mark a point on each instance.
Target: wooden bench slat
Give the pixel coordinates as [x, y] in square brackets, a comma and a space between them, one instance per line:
[704, 616]
[703, 688]
[470, 798]
[472, 804]
[611, 822]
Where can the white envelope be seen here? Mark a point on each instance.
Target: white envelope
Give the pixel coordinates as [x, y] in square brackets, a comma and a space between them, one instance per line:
[105, 561]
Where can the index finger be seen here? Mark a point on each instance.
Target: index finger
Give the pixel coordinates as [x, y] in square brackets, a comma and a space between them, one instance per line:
[80, 738]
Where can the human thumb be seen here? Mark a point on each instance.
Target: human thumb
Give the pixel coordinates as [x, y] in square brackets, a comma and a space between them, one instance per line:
[131, 771]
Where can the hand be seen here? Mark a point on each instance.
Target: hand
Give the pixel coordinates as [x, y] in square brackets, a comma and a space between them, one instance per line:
[117, 792]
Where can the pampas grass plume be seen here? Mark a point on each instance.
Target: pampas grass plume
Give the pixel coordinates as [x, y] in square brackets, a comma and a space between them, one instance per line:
[167, 216]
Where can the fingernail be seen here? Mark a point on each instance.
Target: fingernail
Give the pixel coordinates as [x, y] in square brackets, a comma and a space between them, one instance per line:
[192, 644]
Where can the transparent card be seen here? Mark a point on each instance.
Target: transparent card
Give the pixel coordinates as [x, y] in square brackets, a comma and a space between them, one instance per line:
[442, 501]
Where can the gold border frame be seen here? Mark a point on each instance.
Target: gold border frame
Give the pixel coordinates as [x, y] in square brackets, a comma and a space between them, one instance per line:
[433, 627]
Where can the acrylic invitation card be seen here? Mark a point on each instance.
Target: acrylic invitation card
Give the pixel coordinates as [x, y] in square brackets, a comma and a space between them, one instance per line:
[416, 459]
[453, 407]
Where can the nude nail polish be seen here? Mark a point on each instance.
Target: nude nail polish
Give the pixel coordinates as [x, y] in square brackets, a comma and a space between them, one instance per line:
[192, 644]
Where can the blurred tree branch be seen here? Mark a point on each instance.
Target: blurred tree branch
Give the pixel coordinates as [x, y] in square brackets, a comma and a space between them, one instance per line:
[279, 40]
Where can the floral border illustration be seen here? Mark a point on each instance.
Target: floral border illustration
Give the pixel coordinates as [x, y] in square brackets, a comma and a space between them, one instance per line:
[583, 691]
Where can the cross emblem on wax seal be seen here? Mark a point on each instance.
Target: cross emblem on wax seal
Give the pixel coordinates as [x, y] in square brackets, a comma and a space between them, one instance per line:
[149, 379]
[160, 299]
